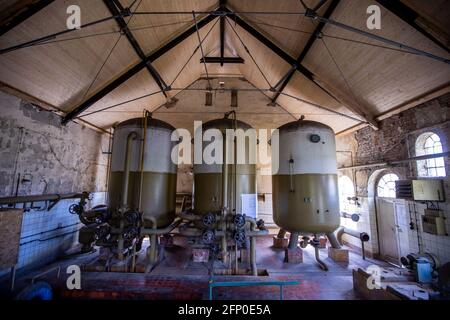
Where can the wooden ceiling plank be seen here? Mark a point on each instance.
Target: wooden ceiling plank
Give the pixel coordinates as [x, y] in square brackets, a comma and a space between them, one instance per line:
[333, 92]
[411, 17]
[31, 10]
[309, 44]
[135, 69]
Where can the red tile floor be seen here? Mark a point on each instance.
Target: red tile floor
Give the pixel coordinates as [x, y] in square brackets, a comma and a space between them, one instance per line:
[177, 277]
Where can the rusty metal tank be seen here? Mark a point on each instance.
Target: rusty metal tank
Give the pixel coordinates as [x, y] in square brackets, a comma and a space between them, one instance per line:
[156, 196]
[305, 186]
[208, 177]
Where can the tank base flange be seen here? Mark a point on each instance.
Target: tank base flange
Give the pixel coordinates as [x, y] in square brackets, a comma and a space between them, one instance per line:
[293, 255]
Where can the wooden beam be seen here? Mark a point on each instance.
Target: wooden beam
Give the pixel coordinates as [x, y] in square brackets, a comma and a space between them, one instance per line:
[222, 4]
[116, 9]
[351, 129]
[23, 15]
[312, 39]
[222, 60]
[331, 91]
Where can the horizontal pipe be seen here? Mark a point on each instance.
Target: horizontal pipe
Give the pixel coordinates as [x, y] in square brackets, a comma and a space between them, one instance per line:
[168, 229]
[390, 163]
[190, 217]
[43, 197]
[193, 232]
[363, 236]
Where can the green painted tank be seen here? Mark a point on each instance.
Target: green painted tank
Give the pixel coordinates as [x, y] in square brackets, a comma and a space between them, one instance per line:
[159, 172]
[305, 184]
[208, 177]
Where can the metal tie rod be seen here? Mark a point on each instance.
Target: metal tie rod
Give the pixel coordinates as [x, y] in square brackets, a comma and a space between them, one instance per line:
[379, 38]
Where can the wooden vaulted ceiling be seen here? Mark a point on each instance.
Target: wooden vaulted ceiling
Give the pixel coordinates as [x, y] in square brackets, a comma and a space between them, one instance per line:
[365, 81]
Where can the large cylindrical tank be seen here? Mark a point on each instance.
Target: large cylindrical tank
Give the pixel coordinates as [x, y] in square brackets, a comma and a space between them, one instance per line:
[208, 177]
[159, 172]
[305, 186]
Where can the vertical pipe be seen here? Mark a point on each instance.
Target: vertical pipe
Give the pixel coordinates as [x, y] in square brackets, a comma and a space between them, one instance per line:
[224, 198]
[363, 251]
[13, 277]
[333, 240]
[319, 261]
[281, 234]
[236, 266]
[141, 164]
[120, 243]
[126, 179]
[109, 153]
[293, 241]
[254, 269]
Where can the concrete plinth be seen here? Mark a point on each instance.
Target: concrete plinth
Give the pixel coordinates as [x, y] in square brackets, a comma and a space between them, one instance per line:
[280, 243]
[293, 255]
[338, 255]
[200, 255]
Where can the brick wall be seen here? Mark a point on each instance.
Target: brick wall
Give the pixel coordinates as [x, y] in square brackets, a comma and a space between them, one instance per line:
[395, 140]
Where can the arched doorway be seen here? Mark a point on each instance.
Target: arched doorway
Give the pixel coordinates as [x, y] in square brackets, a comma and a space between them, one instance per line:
[392, 219]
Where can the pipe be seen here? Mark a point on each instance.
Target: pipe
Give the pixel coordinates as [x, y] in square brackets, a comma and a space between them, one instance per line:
[333, 240]
[120, 243]
[43, 197]
[109, 161]
[281, 234]
[253, 266]
[189, 217]
[390, 163]
[168, 229]
[362, 236]
[141, 163]
[319, 261]
[224, 199]
[293, 241]
[126, 179]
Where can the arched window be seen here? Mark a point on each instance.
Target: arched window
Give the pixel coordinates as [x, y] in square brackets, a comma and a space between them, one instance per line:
[430, 143]
[346, 190]
[386, 186]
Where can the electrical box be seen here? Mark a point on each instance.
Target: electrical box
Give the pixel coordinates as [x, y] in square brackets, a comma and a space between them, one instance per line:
[420, 190]
[428, 190]
[433, 222]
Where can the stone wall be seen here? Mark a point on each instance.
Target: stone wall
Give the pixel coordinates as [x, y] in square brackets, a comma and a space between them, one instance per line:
[39, 156]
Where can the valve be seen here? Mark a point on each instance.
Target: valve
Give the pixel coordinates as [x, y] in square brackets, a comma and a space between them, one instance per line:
[132, 217]
[239, 221]
[208, 236]
[75, 209]
[102, 232]
[239, 238]
[209, 219]
[260, 224]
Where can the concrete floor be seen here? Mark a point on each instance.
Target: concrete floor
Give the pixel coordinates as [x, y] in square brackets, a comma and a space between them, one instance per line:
[177, 277]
